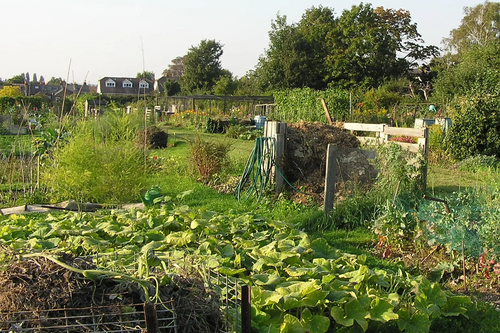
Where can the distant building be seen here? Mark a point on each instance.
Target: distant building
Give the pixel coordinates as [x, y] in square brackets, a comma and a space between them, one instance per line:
[125, 86]
[55, 92]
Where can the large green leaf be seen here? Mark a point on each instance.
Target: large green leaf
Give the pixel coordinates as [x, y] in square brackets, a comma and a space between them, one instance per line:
[291, 324]
[454, 306]
[340, 317]
[356, 309]
[416, 323]
[180, 238]
[382, 311]
[266, 279]
[429, 298]
[261, 297]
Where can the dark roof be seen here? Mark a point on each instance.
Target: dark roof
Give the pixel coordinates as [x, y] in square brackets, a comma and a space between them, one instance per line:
[119, 89]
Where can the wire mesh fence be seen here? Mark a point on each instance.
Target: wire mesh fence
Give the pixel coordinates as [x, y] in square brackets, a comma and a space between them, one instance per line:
[229, 290]
[134, 318]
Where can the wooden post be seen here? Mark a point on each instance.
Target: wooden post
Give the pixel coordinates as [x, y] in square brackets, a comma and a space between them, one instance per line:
[423, 144]
[246, 309]
[150, 318]
[280, 150]
[326, 111]
[331, 169]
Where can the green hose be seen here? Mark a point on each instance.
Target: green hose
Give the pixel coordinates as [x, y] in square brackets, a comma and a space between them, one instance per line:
[258, 168]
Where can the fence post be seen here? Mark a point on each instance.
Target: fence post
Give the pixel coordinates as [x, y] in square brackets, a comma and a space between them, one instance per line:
[150, 317]
[423, 144]
[246, 309]
[331, 167]
[277, 131]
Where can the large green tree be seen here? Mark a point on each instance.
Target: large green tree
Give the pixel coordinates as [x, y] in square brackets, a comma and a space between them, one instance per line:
[471, 88]
[362, 47]
[478, 64]
[202, 67]
[296, 53]
[17, 79]
[480, 25]
[369, 46]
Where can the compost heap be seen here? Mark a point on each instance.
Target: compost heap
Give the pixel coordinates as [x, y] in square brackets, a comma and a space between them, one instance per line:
[305, 160]
[34, 287]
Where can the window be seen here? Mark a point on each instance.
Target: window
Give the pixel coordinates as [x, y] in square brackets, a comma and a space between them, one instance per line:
[143, 84]
[110, 83]
[127, 84]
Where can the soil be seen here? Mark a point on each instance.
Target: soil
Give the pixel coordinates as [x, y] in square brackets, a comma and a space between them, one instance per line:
[38, 285]
[305, 159]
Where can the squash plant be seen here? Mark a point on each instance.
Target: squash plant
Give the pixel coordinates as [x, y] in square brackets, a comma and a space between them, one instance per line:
[299, 284]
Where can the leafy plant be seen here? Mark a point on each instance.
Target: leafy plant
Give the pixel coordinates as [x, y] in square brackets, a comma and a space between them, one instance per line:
[238, 131]
[305, 105]
[208, 157]
[400, 171]
[299, 284]
[85, 169]
[478, 162]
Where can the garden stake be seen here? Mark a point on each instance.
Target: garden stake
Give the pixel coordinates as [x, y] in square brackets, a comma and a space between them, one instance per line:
[463, 263]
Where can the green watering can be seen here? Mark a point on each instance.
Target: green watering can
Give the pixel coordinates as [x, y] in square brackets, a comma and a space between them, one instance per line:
[151, 194]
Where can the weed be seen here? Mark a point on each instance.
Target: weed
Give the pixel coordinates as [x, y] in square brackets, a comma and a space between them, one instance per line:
[85, 169]
[208, 157]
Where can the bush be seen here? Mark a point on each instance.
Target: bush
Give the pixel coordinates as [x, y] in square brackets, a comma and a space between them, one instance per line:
[242, 132]
[87, 170]
[478, 162]
[208, 157]
[476, 128]
[153, 136]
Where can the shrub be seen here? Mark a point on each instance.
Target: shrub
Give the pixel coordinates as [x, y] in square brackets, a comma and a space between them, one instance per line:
[153, 136]
[242, 132]
[208, 157]
[400, 171]
[478, 162]
[476, 128]
[85, 169]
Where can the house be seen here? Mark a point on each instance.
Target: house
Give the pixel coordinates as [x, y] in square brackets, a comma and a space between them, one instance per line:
[55, 92]
[160, 84]
[125, 86]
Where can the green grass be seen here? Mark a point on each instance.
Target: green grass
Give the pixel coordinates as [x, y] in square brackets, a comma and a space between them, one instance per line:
[442, 180]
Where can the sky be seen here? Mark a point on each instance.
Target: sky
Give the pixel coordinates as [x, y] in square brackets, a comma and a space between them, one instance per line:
[85, 40]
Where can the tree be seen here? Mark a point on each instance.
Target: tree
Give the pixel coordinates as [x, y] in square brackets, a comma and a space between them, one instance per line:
[364, 46]
[296, 53]
[11, 91]
[176, 69]
[147, 75]
[472, 88]
[202, 67]
[478, 64]
[480, 25]
[171, 87]
[35, 79]
[55, 81]
[16, 79]
[369, 46]
[27, 78]
[248, 85]
[42, 80]
[225, 85]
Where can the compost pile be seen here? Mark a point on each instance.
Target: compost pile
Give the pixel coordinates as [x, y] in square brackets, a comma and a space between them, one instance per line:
[32, 288]
[305, 159]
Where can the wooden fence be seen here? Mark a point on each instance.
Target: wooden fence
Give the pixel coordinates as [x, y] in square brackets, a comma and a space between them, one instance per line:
[383, 134]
